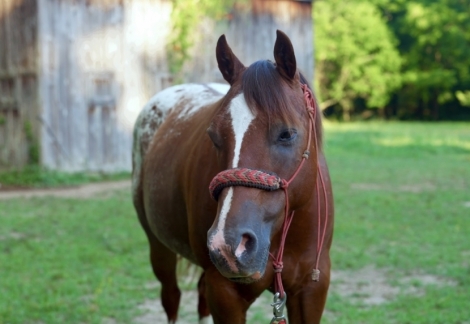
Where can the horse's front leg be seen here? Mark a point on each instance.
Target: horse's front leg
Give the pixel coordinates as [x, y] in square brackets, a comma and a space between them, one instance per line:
[306, 305]
[226, 303]
[202, 307]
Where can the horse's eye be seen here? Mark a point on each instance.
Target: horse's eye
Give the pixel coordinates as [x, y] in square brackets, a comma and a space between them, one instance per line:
[215, 138]
[287, 135]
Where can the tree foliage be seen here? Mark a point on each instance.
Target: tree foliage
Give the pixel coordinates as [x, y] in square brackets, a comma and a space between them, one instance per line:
[356, 55]
[431, 39]
[435, 45]
[463, 97]
[185, 17]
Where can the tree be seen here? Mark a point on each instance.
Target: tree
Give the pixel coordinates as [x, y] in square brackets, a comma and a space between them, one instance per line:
[463, 97]
[185, 17]
[355, 55]
[434, 41]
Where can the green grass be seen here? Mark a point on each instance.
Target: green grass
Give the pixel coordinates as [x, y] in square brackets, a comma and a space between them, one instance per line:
[66, 261]
[400, 194]
[36, 176]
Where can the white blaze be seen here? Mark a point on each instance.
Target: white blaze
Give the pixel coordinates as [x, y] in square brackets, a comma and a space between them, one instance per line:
[241, 120]
[223, 213]
[242, 117]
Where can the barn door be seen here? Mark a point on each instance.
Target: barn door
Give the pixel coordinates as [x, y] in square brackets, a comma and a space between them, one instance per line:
[101, 112]
[13, 146]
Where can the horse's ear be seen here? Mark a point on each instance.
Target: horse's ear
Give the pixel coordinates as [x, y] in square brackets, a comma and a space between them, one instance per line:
[229, 65]
[284, 56]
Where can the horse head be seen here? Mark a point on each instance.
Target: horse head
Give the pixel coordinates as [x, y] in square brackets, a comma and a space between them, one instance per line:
[261, 128]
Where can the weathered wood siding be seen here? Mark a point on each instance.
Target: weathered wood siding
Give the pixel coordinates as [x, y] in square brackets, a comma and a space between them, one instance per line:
[251, 33]
[18, 81]
[100, 62]
[74, 74]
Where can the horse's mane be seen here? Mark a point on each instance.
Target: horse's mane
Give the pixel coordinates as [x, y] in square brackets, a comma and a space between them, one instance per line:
[263, 88]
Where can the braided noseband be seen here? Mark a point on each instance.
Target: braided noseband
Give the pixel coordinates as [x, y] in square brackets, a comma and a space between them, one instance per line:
[244, 177]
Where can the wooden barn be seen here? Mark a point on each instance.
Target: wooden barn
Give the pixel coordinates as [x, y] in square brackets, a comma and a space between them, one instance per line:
[74, 74]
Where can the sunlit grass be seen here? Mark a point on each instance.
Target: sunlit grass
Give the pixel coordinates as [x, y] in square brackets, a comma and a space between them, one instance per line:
[400, 194]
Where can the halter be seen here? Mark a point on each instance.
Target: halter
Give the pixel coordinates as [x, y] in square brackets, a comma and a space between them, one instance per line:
[270, 182]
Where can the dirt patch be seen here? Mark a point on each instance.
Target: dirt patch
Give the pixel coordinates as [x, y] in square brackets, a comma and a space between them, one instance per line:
[371, 286]
[154, 313]
[366, 287]
[13, 236]
[90, 190]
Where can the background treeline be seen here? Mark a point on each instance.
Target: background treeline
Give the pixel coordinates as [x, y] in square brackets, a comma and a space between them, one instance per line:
[395, 59]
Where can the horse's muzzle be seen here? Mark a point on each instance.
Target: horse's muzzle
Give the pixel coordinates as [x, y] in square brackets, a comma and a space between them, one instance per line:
[239, 257]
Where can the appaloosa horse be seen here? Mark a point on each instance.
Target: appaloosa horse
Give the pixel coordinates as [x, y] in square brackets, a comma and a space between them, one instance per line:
[233, 178]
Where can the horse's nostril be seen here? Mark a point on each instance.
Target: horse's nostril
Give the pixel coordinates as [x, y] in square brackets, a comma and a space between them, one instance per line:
[247, 243]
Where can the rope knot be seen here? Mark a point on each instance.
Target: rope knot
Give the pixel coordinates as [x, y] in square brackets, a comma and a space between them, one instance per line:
[310, 110]
[308, 96]
[306, 154]
[284, 184]
[278, 266]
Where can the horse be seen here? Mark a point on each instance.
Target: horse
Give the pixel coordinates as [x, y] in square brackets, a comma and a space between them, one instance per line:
[210, 163]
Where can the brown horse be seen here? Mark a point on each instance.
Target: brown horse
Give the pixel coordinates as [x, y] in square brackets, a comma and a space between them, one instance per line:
[243, 140]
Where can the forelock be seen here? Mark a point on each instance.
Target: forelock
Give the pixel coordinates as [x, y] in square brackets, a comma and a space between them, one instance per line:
[266, 91]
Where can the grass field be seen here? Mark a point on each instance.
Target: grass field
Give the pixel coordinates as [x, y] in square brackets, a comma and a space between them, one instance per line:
[35, 176]
[402, 195]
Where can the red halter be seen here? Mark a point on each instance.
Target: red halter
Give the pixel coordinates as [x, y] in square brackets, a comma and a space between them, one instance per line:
[262, 180]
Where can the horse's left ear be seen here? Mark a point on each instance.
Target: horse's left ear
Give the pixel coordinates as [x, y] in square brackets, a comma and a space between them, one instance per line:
[229, 65]
[284, 56]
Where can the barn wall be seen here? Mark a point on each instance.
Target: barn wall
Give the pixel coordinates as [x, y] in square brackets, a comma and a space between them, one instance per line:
[74, 74]
[18, 82]
[100, 62]
[292, 17]
[251, 33]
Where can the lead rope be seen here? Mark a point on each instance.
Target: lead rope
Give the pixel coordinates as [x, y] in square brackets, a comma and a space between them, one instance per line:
[280, 297]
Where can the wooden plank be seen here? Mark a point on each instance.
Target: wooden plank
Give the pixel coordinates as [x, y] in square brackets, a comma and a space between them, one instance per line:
[63, 82]
[78, 102]
[7, 43]
[51, 149]
[54, 117]
[46, 142]
[95, 138]
[3, 37]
